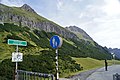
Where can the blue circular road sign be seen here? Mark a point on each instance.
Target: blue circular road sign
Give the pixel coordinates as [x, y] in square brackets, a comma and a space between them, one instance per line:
[56, 42]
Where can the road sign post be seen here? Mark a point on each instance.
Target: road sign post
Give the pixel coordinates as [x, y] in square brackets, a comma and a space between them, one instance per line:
[17, 43]
[56, 42]
[16, 74]
[57, 71]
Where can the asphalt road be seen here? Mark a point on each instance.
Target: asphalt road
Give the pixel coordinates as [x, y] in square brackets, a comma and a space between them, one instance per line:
[101, 74]
[97, 74]
[82, 75]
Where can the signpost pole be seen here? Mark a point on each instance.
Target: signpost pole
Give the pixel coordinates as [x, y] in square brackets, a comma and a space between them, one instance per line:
[56, 42]
[57, 71]
[17, 57]
[16, 74]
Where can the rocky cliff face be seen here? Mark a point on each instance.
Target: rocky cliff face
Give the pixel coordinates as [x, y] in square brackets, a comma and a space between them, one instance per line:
[26, 16]
[80, 32]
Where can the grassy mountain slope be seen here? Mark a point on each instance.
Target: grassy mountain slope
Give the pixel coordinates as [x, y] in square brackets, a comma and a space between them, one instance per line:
[90, 63]
[39, 51]
[37, 38]
[39, 56]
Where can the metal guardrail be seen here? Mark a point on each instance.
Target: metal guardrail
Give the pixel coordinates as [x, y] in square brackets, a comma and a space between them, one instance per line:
[116, 76]
[27, 75]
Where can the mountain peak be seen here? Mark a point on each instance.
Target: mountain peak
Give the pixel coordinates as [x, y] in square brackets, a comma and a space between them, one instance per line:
[28, 8]
[77, 30]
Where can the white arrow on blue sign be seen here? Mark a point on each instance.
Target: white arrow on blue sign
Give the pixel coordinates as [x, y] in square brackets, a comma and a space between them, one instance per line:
[56, 42]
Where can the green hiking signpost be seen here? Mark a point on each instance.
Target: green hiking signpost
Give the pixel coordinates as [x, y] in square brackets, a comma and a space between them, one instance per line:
[16, 56]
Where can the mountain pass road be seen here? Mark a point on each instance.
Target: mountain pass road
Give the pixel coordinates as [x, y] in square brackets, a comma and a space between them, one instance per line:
[101, 74]
[97, 74]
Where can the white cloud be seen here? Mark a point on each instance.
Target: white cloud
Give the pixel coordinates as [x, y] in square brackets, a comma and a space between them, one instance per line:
[102, 22]
[108, 36]
[12, 2]
[59, 4]
[107, 31]
[112, 7]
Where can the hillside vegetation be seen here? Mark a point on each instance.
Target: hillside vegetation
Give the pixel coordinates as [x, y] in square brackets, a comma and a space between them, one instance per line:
[89, 63]
[38, 54]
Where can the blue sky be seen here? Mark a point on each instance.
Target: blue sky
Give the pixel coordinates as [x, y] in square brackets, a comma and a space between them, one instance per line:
[99, 18]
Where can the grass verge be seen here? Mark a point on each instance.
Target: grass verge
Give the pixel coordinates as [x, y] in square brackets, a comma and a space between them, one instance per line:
[89, 64]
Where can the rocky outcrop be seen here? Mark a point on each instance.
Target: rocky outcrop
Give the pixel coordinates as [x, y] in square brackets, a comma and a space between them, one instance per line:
[27, 8]
[76, 30]
[28, 17]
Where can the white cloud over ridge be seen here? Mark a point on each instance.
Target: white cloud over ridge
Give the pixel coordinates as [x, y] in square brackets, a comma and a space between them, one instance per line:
[102, 22]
